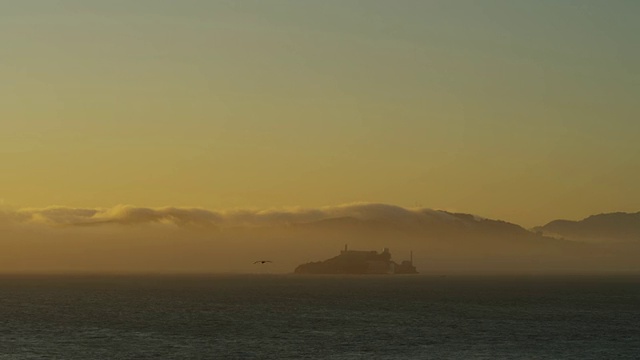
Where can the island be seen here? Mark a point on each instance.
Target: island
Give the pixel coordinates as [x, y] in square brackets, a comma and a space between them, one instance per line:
[359, 262]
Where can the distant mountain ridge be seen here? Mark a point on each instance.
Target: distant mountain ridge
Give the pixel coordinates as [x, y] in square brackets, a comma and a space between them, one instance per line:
[617, 226]
[435, 222]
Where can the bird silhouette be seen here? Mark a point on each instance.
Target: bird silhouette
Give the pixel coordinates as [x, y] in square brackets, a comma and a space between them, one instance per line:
[262, 261]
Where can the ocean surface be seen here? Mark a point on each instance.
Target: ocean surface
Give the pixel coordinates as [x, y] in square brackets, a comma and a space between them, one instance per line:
[319, 317]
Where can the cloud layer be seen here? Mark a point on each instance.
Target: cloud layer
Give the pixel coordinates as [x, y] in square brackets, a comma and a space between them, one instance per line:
[183, 216]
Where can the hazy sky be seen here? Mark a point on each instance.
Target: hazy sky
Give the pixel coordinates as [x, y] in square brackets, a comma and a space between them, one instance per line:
[521, 110]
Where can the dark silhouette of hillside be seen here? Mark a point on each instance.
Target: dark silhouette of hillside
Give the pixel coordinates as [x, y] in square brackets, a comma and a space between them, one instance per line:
[434, 223]
[617, 227]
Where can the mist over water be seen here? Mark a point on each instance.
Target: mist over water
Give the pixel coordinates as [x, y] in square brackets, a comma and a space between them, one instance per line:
[320, 317]
[191, 240]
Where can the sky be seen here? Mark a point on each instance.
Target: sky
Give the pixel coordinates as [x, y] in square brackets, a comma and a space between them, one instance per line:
[524, 111]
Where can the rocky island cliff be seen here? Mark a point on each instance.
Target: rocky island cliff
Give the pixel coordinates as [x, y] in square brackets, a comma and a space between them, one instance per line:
[358, 262]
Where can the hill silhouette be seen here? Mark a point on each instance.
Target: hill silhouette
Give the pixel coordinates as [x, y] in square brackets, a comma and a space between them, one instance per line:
[610, 227]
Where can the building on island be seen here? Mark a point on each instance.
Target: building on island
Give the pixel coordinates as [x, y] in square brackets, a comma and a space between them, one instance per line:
[359, 262]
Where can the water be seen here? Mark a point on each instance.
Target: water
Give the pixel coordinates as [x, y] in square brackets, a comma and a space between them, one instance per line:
[325, 317]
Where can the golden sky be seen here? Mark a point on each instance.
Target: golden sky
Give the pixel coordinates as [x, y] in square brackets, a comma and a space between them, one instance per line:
[525, 111]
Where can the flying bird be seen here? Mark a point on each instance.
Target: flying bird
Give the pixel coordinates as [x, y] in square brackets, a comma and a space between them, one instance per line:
[262, 261]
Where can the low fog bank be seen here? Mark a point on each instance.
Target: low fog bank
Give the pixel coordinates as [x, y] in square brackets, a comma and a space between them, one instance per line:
[178, 240]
